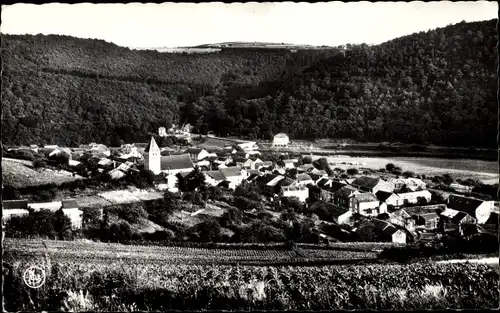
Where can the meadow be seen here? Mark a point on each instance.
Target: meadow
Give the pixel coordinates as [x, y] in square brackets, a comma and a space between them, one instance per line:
[154, 281]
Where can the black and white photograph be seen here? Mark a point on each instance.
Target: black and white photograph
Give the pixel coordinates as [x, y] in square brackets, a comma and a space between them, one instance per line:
[273, 156]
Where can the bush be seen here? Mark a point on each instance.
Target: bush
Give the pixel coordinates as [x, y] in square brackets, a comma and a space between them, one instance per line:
[396, 172]
[130, 212]
[408, 174]
[352, 171]
[389, 167]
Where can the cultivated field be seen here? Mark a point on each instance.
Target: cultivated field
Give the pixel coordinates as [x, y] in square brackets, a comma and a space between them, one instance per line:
[130, 195]
[20, 173]
[116, 281]
[458, 168]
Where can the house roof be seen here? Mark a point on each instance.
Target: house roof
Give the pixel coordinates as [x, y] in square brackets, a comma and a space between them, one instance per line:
[345, 191]
[69, 204]
[366, 181]
[266, 178]
[493, 219]
[335, 186]
[384, 226]
[366, 197]
[216, 175]
[319, 172]
[281, 136]
[15, 204]
[176, 162]
[287, 181]
[231, 171]
[429, 216]
[468, 205]
[383, 195]
[337, 211]
[306, 167]
[193, 150]
[293, 188]
[273, 182]
[303, 177]
[321, 183]
[253, 172]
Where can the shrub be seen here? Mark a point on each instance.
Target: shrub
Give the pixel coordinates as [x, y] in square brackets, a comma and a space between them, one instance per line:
[352, 171]
[389, 167]
[408, 174]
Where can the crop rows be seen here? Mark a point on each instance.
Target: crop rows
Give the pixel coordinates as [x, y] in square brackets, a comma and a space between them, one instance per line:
[122, 285]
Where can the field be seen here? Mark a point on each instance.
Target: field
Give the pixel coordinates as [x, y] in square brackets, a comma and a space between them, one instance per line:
[20, 173]
[458, 168]
[151, 281]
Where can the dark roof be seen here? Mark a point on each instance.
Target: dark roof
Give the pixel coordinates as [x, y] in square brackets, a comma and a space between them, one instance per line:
[493, 219]
[231, 171]
[303, 177]
[366, 182]
[366, 197]
[216, 175]
[176, 162]
[458, 217]
[266, 178]
[345, 191]
[69, 204]
[194, 150]
[287, 181]
[322, 182]
[15, 204]
[337, 211]
[384, 226]
[383, 195]
[159, 179]
[467, 205]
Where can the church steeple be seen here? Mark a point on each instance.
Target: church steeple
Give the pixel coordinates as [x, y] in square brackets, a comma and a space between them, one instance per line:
[152, 157]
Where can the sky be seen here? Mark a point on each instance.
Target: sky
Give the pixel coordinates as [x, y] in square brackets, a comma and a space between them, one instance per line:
[137, 25]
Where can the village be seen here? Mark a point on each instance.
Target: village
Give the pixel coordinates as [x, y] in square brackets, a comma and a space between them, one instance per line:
[399, 207]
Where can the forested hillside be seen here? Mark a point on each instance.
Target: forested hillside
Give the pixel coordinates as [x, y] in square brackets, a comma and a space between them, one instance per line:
[433, 87]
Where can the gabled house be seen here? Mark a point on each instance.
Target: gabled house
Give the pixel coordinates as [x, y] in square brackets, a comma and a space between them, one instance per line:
[266, 164]
[402, 218]
[304, 179]
[386, 231]
[227, 159]
[452, 219]
[372, 184]
[327, 192]
[271, 185]
[479, 209]
[389, 198]
[341, 215]
[300, 192]
[116, 174]
[366, 204]
[234, 175]
[214, 178]
[197, 154]
[342, 196]
[324, 182]
[252, 163]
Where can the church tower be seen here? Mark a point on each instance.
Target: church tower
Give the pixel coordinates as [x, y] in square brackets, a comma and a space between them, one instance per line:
[152, 157]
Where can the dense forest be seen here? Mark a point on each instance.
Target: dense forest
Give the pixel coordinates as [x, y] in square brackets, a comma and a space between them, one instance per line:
[432, 87]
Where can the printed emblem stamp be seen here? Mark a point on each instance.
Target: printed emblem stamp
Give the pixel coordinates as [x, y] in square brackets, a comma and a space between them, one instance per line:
[34, 277]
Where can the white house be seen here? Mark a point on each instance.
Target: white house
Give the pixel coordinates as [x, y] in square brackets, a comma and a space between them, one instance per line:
[396, 235]
[366, 204]
[389, 198]
[412, 197]
[162, 132]
[214, 178]
[479, 209]
[197, 154]
[73, 163]
[290, 163]
[233, 175]
[253, 164]
[300, 192]
[168, 182]
[281, 140]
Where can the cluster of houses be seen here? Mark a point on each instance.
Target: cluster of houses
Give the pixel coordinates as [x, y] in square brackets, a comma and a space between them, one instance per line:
[23, 207]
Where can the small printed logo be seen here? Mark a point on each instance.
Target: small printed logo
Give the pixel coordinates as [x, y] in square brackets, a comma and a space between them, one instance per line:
[34, 277]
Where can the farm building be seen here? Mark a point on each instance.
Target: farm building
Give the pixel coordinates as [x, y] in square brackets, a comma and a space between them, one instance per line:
[461, 188]
[452, 219]
[249, 146]
[234, 175]
[197, 154]
[389, 198]
[281, 140]
[479, 209]
[290, 163]
[214, 178]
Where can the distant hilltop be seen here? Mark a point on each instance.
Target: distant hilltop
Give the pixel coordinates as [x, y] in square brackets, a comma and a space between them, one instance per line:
[215, 47]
